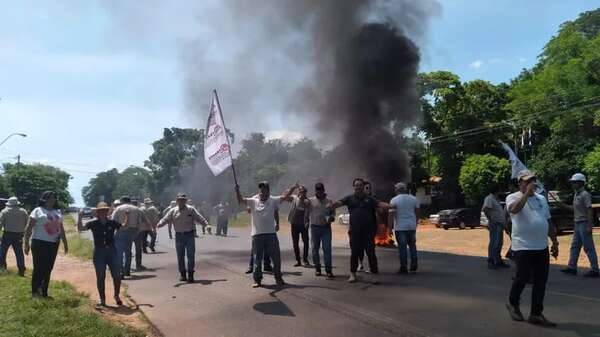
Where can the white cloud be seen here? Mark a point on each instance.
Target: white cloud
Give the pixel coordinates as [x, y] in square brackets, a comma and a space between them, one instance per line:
[495, 60]
[476, 64]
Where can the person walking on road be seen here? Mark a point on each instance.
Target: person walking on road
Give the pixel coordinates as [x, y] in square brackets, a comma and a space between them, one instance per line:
[320, 217]
[152, 216]
[299, 225]
[362, 210]
[222, 212]
[263, 208]
[583, 215]
[105, 254]
[205, 211]
[172, 205]
[404, 214]
[496, 215]
[13, 220]
[530, 212]
[46, 226]
[184, 219]
[129, 236]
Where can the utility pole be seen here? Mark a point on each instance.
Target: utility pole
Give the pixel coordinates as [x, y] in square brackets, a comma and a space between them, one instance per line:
[18, 159]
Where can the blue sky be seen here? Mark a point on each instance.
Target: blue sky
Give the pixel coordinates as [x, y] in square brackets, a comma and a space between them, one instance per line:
[94, 83]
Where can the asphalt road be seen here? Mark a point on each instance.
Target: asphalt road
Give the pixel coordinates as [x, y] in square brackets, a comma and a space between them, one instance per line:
[452, 295]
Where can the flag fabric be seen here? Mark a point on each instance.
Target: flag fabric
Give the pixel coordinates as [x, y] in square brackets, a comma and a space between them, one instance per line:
[217, 151]
[516, 163]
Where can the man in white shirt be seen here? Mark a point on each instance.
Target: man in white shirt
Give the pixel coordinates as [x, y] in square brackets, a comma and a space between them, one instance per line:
[404, 214]
[264, 230]
[529, 212]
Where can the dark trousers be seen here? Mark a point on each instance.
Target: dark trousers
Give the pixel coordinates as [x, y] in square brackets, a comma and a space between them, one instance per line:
[531, 263]
[269, 244]
[15, 240]
[297, 232]
[106, 257]
[138, 242]
[185, 245]
[152, 235]
[361, 255]
[495, 245]
[222, 224]
[407, 241]
[266, 259]
[44, 255]
[362, 241]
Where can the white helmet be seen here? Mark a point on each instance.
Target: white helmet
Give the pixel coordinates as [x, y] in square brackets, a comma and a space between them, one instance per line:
[578, 177]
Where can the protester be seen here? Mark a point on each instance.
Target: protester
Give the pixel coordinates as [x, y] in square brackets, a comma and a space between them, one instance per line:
[129, 236]
[361, 255]
[496, 215]
[105, 254]
[265, 225]
[222, 212]
[13, 220]
[46, 225]
[172, 205]
[205, 211]
[299, 224]
[184, 219]
[583, 215]
[152, 216]
[530, 212]
[362, 210]
[404, 214]
[320, 217]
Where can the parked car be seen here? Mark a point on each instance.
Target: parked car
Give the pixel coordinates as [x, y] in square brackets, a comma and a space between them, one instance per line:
[435, 219]
[87, 212]
[460, 217]
[344, 219]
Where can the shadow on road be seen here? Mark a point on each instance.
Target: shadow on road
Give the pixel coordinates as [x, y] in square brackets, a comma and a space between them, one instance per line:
[202, 282]
[581, 329]
[140, 277]
[274, 308]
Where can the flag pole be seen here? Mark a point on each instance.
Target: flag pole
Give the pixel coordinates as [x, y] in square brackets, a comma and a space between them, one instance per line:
[226, 135]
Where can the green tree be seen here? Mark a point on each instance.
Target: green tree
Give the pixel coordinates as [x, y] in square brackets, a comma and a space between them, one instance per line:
[28, 182]
[134, 181]
[591, 168]
[101, 187]
[4, 189]
[479, 172]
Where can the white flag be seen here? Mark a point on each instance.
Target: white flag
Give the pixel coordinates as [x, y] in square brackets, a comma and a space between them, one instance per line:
[217, 152]
[516, 163]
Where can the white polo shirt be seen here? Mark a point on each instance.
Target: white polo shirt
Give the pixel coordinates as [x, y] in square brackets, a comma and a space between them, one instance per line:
[530, 225]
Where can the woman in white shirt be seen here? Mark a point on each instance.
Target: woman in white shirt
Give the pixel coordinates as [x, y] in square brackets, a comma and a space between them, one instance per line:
[46, 225]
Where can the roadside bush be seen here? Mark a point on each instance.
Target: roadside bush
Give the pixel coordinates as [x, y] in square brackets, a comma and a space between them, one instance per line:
[479, 172]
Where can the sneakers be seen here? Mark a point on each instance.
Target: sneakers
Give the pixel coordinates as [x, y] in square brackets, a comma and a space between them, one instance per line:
[318, 273]
[140, 267]
[298, 264]
[256, 285]
[352, 278]
[592, 274]
[249, 271]
[541, 321]
[514, 312]
[190, 278]
[361, 268]
[307, 264]
[280, 281]
[183, 277]
[569, 271]
[413, 269]
[101, 304]
[330, 276]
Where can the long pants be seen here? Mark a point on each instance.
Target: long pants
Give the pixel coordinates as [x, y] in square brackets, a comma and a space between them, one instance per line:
[583, 237]
[531, 263]
[297, 232]
[106, 257]
[15, 240]
[496, 231]
[152, 235]
[185, 245]
[362, 241]
[123, 243]
[222, 225]
[407, 241]
[269, 244]
[361, 255]
[266, 259]
[321, 235]
[44, 254]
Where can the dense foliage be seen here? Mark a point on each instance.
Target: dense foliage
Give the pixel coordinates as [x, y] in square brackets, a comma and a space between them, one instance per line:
[479, 173]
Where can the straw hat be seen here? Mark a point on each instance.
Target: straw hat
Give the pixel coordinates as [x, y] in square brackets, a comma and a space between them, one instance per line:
[102, 206]
[13, 202]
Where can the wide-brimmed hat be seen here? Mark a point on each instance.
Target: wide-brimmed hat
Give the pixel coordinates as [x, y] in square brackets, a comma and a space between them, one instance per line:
[181, 196]
[526, 175]
[148, 201]
[12, 202]
[101, 206]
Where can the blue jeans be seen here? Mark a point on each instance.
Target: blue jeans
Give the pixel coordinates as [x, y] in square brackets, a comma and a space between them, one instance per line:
[407, 239]
[583, 237]
[321, 234]
[496, 241]
[266, 244]
[123, 243]
[185, 244]
[15, 240]
[106, 257]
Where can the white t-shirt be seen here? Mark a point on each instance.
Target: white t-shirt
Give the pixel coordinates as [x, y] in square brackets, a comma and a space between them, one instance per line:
[48, 224]
[263, 214]
[530, 225]
[404, 213]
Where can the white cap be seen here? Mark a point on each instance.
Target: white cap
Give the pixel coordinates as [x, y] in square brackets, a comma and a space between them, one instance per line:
[578, 177]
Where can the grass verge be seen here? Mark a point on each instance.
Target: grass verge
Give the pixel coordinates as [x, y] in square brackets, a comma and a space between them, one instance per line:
[78, 245]
[68, 314]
